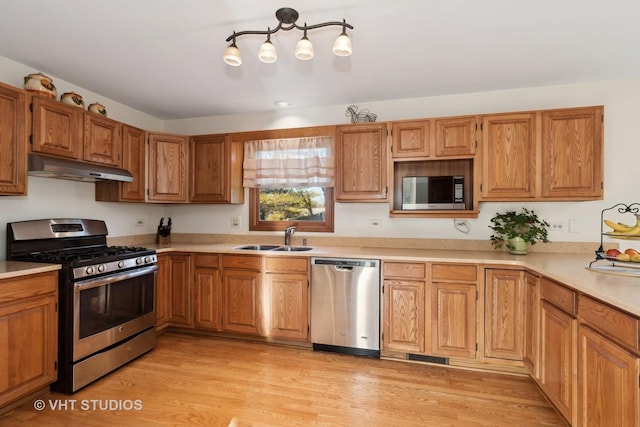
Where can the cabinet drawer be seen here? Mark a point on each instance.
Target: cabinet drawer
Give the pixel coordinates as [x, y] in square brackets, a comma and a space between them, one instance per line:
[457, 272]
[28, 286]
[558, 295]
[610, 321]
[206, 260]
[287, 264]
[404, 269]
[245, 262]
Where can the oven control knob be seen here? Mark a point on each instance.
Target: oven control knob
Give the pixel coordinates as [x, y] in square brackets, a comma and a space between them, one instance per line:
[120, 264]
[147, 260]
[90, 270]
[102, 268]
[138, 260]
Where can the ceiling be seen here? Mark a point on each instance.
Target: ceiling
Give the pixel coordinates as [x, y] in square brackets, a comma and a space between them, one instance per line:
[164, 57]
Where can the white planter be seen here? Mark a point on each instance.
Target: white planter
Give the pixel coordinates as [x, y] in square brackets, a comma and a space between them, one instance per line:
[519, 246]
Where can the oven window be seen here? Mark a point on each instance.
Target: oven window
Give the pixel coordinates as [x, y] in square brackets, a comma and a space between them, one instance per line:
[104, 307]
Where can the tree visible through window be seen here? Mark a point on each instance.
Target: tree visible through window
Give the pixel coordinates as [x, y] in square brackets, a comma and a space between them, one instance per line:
[292, 204]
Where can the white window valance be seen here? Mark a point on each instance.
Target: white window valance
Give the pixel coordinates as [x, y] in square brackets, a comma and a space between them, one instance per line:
[289, 163]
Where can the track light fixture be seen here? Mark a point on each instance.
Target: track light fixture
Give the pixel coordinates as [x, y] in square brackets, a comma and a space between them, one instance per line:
[287, 18]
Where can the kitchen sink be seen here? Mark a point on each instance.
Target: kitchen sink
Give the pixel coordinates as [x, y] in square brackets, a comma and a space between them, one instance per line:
[273, 248]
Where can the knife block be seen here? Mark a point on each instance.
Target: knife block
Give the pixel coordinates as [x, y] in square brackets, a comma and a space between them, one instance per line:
[163, 240]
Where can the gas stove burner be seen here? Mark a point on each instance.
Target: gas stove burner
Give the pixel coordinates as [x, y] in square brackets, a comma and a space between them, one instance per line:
[88, 253]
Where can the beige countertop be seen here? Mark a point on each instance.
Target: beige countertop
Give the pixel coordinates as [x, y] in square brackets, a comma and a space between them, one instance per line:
[569, 269]
[10, 269]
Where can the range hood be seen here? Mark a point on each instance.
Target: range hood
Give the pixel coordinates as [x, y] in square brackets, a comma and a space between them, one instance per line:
[55, 167]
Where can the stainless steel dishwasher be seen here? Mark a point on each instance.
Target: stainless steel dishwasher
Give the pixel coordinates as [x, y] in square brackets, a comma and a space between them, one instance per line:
[345, 305]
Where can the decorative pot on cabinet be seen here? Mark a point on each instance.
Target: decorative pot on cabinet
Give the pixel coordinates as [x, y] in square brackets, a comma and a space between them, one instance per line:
[96, 107]
[72, 98]
[40, 84]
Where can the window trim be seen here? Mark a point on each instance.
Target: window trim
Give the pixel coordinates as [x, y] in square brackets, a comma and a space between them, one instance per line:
[255, 224]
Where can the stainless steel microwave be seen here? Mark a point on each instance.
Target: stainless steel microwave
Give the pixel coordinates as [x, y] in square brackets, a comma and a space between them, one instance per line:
[433, 192]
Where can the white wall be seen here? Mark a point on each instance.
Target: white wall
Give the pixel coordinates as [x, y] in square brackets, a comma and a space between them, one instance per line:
[55, 198]
[622, 109]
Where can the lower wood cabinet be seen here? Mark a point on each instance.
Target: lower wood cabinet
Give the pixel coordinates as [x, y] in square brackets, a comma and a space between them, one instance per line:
[531, 328]
[207, 292]
[504, 314]
[173, 291]
[241, 294]
[29, 330]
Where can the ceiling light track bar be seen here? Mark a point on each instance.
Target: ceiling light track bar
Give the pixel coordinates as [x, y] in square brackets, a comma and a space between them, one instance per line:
[279, 27]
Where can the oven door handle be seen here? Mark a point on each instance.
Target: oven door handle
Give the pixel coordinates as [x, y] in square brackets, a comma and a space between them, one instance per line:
[112, 278]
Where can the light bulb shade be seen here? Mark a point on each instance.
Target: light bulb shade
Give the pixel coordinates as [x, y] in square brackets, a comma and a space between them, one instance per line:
[304, 49]
[342, 45]
[232, 55]
[267, 52]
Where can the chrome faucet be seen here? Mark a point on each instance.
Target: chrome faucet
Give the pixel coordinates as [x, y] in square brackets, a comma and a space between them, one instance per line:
[288, 232]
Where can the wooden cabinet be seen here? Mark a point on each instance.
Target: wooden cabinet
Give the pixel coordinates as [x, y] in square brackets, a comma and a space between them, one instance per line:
[456, 136]
[241, 294]
[102, 140]
[453, 310]
[168, 168]
[504, 314]
[13, 141]
[163, 283]
[179, 302]
[543, 155]
[531, 328]
[572, 154]
[361, 163]
[215, 169]
[608, 365]
[57, 128]
[28, 334]
[287, 296]
[403, 315]
[411, 139]
[558, 334]
[509, 156]
[207, 292]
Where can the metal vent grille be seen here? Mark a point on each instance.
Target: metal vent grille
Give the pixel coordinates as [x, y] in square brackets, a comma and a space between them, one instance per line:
[430, 359]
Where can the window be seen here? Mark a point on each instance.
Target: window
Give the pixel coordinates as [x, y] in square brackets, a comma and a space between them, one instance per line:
[291, 183]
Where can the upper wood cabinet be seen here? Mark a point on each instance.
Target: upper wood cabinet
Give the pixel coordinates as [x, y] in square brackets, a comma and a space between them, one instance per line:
[134, 160]
[57, 128]
[456, 136]
[168, 168]
[572, 154]
[543, 155]
[215, 169]
[508, 156]
[410, 139]
[102, 140]
[13, 141]
[361, 163]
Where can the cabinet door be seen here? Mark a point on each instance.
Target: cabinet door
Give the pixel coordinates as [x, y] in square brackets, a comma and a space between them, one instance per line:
[453, 320]
[504, 314]
[241, 301]
[207, 293]
[167, 168]
[456, 136]
[163, 282]
[531, 324]
[410, 139]
[361, 163]
[607, 382]
[215, 170]
[29, 329]
[180, 290]
[508, 156]
[557, 358]
[404, 315]
[13, 141]
[57, 128]
[288, 302]
[134, 160]
[572, 162]
[102, 140]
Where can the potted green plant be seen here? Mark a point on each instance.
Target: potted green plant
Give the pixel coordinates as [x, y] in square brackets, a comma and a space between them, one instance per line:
[516, 230]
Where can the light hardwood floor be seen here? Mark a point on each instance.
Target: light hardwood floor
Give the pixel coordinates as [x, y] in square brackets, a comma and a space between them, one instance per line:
[203, 381]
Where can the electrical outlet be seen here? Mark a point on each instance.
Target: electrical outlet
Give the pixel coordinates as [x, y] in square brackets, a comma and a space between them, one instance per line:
[375, 223]
[139, 222]
[557, 226]
[235, 222]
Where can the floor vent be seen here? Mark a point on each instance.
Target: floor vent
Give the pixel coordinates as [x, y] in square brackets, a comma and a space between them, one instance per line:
[430, 359]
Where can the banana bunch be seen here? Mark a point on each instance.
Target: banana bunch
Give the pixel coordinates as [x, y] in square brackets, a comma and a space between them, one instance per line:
[623, 229]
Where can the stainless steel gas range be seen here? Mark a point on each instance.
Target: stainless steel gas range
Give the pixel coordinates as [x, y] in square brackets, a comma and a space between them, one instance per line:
[106, 295]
